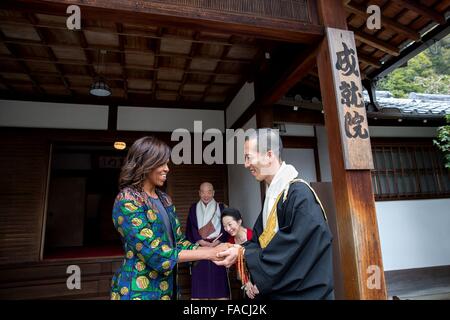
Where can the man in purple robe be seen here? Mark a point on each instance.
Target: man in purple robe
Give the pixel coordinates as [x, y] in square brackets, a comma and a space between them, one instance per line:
[204, 226]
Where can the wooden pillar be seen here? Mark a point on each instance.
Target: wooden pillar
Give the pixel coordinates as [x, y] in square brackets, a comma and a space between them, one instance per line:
[112, 117]
[359, 243]
[264, 119]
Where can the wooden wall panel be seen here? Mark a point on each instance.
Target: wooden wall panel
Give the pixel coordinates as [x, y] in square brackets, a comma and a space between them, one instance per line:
[47, 279]
[23, 176]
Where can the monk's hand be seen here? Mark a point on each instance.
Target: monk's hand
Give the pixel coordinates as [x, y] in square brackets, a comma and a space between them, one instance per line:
[222, 246]
[251, 290]
[213, 252]
[229, 257]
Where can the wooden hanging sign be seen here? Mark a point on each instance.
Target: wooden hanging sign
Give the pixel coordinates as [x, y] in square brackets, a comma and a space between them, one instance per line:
[353, 122]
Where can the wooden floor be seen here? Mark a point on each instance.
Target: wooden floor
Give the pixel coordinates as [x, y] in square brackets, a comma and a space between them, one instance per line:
[419, 284]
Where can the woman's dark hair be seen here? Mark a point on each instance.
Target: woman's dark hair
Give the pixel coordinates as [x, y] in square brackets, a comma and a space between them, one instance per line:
[145, 155]
[231, 212]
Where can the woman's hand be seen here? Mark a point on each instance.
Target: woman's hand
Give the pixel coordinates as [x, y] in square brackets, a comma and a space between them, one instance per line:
[219, 249]
[215, 253]
[212, 253]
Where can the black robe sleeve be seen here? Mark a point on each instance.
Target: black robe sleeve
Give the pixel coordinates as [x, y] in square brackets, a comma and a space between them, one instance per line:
[298, 260]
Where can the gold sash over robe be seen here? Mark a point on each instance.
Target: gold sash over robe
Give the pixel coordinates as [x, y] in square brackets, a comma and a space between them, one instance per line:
[269, 231]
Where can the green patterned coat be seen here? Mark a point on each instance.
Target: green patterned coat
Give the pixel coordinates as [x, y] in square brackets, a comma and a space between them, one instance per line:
[146, 272]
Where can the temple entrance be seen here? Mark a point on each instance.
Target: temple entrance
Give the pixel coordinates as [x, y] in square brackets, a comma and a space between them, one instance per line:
[83, 185]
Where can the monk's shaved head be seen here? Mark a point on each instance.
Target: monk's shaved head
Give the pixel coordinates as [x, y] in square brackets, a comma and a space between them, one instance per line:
[206, 192]
[206, 186]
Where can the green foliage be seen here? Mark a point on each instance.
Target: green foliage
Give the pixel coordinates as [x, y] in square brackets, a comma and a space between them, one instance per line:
[441, 60]
[427, 72]
[443, 142]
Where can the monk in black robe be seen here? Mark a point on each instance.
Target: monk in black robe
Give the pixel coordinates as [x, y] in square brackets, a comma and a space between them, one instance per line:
[290, 254]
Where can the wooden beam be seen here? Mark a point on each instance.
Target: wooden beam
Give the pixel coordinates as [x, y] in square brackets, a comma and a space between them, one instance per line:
[105, 65]
[187, 16]
[122, 40]
[94, 47]
[359, 244]
[112, 117]
[375, 42]
[422, 10]
[372, 91]
[143, 100]
[288, 115]
[85, 89]
[386, 22]
[378, 121]
[41, 33]
[369, 60]
[225, 52]
[6, 84]
[195, 47]
[413, 50]
[285, 114]
[259, 65]
[157, 49]
[87, 54]
[295, 143]
[22, 64]
[12, 22]
[298, 69]
[87, 78]
[264, 119]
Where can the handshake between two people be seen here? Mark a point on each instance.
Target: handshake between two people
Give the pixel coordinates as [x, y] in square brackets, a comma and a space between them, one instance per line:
[223, 254]
[226, 255]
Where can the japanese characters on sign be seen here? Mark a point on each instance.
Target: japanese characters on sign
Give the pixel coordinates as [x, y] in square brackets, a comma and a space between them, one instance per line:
[351, 108]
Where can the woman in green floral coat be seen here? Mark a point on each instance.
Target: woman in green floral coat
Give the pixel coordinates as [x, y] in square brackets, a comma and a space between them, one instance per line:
[150, 230]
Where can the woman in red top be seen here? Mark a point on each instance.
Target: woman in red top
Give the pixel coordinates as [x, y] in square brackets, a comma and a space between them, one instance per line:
[232, 223]
[237, 234]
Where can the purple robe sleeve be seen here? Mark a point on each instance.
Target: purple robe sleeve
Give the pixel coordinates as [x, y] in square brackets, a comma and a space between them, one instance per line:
[191, 225]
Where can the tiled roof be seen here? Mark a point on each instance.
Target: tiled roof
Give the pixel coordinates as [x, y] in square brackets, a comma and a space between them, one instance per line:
[416, 104]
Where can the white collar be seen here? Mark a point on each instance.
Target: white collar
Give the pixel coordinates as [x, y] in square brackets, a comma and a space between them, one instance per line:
[285, 174]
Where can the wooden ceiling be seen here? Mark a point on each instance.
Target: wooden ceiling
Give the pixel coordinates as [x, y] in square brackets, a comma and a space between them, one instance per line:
[146, 63]
[403, 23]
[164, 65]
